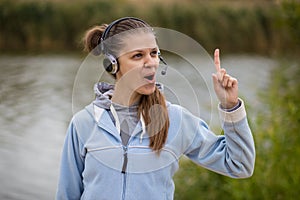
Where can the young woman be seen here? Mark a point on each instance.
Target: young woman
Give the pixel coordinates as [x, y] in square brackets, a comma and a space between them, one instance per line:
[127, 143]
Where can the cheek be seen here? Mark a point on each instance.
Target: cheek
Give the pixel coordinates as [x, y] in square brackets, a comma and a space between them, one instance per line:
[128, 70]
[129, 67]
[131, 76]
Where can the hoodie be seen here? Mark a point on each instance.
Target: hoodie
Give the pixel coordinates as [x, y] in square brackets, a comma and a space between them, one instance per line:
[94, 154]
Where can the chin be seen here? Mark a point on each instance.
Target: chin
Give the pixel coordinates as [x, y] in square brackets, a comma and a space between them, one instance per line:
[147, 89]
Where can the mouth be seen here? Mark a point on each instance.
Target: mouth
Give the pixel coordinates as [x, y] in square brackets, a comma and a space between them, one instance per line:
[150, 77]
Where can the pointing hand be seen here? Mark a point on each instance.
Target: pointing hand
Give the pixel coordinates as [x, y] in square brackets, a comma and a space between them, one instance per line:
[225, 86]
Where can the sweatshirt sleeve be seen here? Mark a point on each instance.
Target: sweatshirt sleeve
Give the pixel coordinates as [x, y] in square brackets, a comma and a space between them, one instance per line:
[70, 184]
[231, 154]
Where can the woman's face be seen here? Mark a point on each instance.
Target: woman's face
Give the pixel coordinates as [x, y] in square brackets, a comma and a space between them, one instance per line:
[138, 63]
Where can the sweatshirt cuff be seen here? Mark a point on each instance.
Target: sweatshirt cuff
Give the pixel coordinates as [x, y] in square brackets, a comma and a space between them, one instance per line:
[233, 116]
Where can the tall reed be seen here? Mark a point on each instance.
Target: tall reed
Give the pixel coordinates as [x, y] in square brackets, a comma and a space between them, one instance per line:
[59, 25]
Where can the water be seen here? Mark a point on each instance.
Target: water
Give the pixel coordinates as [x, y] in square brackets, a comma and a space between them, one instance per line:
[36, 106]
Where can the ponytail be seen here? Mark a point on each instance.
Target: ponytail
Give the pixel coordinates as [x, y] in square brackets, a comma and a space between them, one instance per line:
[92, 39]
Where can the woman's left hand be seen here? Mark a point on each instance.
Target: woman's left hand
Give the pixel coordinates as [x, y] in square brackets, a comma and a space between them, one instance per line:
[226, 87]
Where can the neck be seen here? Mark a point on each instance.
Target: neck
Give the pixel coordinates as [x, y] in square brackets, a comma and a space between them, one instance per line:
[124, 96]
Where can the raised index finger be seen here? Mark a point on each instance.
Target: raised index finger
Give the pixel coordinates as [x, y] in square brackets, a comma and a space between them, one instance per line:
[217, 60]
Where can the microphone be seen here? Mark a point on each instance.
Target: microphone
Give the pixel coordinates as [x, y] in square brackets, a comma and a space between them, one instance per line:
[164, 70]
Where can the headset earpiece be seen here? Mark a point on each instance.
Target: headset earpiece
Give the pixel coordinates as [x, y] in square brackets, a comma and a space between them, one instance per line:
[110, 64]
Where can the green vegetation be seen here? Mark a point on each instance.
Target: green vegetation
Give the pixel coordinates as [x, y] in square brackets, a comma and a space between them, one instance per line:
[277, 171]
[265, 27]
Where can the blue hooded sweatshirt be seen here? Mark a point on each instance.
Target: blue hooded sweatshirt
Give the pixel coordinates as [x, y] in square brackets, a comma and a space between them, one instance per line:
[93, 156]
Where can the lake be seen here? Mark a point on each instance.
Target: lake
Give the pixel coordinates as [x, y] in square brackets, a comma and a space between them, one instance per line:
[39, 94]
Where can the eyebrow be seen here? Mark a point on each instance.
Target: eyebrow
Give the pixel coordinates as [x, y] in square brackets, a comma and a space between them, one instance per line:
[142, 50]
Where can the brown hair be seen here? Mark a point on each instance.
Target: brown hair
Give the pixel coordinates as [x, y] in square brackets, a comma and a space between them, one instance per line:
[154, 110]
[92, 38]
[152, 107]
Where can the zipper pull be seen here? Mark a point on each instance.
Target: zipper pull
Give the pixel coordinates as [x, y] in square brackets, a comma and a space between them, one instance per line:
[125, 149]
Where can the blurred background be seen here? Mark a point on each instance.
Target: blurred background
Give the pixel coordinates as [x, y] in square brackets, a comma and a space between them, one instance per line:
[41, 52]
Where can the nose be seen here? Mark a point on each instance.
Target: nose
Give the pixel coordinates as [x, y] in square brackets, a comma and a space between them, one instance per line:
[151, 61]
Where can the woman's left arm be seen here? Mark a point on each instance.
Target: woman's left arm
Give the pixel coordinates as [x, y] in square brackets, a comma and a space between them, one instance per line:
[232, 154]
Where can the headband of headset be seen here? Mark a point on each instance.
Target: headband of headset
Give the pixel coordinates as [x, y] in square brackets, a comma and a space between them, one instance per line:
[111, 25]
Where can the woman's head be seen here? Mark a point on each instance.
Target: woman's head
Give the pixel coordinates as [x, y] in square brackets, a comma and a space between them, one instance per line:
[130, 50]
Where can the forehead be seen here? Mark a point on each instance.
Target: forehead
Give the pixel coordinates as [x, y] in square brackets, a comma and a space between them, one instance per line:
[138, 41]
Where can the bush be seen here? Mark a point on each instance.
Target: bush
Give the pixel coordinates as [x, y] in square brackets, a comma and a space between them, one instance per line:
[277, 138]
[59, 25]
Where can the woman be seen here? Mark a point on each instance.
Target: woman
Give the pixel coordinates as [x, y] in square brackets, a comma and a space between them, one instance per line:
[127, 143]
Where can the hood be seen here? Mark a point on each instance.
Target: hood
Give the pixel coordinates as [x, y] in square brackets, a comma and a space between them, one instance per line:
[104, 92]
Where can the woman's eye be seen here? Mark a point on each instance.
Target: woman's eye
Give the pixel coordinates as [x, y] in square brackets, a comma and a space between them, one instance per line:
[138, 55]
[154, 53]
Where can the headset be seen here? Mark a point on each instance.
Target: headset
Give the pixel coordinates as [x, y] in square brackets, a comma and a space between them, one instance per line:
[110, 62]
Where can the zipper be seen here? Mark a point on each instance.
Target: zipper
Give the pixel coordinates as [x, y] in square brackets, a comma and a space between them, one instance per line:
[124, 174]
[124, 185]
[124, 167]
